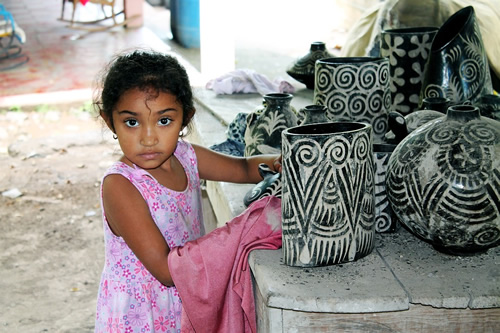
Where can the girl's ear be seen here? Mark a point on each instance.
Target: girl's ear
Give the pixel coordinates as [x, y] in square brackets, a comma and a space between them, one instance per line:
[108, 121]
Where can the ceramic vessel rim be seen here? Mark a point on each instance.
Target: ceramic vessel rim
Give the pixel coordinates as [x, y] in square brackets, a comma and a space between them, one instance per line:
[351, 60]
[335, 126]
[437, 99]
[277, 95]
[315, 107]
[317, 44]
[411, 30]
[456, 23]
[463, 109]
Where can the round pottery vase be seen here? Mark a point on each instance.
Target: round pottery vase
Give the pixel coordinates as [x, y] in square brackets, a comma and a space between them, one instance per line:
[443, 181]
[439, 104]
[264, 126]
[270, 185]
[313, 114]
[302, 70]
[355, 89]
[328, 209]
[457, 67]
[407, 50]
[489, 106]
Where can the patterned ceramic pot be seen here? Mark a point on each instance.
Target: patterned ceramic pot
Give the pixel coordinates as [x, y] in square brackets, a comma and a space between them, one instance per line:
[457, 67]
[264, 126]
[439, 104]
[443, 181]
[302, 70]
[270, 185]
[327, 193]
[489, 106]
[313, 114]
[355, 89]
[385, 219]
[407, 50]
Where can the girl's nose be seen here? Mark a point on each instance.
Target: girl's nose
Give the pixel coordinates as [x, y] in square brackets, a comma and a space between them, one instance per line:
[149, 137]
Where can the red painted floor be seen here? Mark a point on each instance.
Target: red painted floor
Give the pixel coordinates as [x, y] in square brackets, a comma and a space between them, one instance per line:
[61, 59]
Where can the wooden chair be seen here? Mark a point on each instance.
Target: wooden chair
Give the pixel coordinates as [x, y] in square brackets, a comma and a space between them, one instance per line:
[11, 39]
[94, 25]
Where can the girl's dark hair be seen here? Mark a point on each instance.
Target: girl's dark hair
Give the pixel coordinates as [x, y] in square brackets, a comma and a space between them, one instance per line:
[149, 71]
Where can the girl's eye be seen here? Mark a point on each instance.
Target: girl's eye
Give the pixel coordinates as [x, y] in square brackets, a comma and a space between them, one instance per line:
[164, 121]
[131, 123]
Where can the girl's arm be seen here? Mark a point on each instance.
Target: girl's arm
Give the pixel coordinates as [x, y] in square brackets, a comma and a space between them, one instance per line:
[129, 217]
[220, 167]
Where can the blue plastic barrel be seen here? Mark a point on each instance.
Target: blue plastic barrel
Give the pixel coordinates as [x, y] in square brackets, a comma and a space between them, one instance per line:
[185, 22]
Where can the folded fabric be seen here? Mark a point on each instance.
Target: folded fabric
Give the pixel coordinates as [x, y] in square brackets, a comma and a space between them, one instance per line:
[212, 274]
[248, 81]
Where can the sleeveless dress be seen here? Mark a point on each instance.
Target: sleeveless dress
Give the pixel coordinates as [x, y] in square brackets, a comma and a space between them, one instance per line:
[130, 299]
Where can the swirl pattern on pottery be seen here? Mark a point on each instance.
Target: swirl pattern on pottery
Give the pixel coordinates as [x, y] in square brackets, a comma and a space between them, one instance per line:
[327, 199]
[356, 91]
[444, 183]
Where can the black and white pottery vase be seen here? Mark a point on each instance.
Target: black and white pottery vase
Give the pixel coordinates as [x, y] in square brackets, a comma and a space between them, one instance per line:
[302, 69]
[457, 67]
[328, 210]
[489, 106]
[270, 185]
[407, 50]
[313, 114]
[400, 126]
[443, 181]
[440, 104]
[385, 219]
[355, 89]
[264, 126]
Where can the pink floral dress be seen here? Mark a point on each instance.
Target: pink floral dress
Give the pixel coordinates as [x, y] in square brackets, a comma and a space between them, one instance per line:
[130, 299]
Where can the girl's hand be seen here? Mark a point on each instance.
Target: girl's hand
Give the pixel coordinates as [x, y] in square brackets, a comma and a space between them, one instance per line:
[277, 164]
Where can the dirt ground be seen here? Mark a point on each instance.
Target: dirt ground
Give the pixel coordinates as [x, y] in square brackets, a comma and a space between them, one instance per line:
[51, 242]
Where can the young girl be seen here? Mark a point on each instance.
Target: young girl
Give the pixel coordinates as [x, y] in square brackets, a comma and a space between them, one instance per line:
[151, 197]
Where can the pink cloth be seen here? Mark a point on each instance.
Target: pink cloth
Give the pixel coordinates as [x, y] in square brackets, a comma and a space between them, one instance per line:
[212, 274]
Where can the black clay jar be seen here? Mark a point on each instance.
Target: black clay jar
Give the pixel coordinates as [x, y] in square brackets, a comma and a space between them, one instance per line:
[302, 70]
[457, 67]
[443, 181]
[270, 185]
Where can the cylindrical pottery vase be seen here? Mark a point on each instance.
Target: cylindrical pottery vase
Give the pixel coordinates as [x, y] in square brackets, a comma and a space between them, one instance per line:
[385, 219]
[457, 67]
[355, 89]
[327, 193]
[302, 69]
[443, 181]
[264, 127]
[407, 50]
[313, 114]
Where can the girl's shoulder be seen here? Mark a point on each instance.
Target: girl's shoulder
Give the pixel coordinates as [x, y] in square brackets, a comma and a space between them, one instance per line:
[125, 170]
[185, 151]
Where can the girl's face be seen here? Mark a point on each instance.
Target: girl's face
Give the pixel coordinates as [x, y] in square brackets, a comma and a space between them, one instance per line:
[147, 128]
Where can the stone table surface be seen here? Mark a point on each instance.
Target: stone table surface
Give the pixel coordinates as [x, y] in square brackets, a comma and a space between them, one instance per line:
[402, 270]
